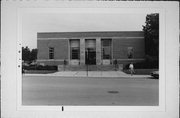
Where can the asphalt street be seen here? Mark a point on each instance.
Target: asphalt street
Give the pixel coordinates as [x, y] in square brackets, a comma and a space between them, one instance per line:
[81, 91]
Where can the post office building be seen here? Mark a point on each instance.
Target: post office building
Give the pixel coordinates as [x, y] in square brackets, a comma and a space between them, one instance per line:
[93, 48]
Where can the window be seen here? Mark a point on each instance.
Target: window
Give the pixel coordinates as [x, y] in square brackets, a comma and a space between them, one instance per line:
[75, 53]
[106, 48]
[51, 53]
[75, 48]
[130, 52]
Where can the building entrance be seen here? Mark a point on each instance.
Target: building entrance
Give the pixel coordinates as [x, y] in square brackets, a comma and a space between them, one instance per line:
[90, 55]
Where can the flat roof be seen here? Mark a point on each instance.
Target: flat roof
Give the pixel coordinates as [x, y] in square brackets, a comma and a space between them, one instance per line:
[90, 34]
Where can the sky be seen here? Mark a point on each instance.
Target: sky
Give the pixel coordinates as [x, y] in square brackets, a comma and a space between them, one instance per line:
[82, 22]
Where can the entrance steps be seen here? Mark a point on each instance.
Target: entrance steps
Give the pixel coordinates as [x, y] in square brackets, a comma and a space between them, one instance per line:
[90, 68]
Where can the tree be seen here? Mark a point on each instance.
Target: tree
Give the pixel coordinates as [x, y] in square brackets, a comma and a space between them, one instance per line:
[151, 33]
[26, 54]
[33, 55]
[29, 55]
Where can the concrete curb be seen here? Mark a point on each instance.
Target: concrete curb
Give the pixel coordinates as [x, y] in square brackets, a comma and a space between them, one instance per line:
[129, 76]
[104, 74]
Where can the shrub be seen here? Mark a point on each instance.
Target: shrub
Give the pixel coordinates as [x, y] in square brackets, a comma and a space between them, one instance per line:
[149, 63]
[40, 67]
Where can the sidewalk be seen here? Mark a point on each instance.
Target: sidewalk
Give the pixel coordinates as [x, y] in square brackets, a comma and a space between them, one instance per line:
[89, 74]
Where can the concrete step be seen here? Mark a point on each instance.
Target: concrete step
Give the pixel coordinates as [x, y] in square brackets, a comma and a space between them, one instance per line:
[90, 68]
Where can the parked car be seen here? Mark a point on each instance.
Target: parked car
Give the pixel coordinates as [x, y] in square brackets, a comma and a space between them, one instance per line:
[25, 64]
[155, 74]
[33, 63]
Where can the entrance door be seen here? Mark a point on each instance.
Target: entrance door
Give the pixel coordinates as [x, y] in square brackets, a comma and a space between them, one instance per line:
[90, 52]
[90, 56]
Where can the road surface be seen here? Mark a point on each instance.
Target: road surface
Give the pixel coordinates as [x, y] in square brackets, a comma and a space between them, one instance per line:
[43, 90]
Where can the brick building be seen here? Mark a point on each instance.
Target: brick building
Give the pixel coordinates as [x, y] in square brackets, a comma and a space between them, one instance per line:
[94, 48]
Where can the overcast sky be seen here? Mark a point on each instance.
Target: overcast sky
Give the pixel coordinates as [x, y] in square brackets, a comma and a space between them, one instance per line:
[58, 22]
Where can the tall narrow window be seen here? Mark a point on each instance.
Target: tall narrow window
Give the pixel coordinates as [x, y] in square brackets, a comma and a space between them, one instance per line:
[75, 49]
[106, 48]
[51, 52]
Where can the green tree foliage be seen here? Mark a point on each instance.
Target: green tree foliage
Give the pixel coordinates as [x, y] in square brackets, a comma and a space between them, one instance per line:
[33, 55]
[26, 54]
[29, 55]
[151, 33]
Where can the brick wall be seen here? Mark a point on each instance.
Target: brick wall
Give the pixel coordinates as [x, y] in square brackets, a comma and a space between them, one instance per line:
[120, 47]
[60, 48]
